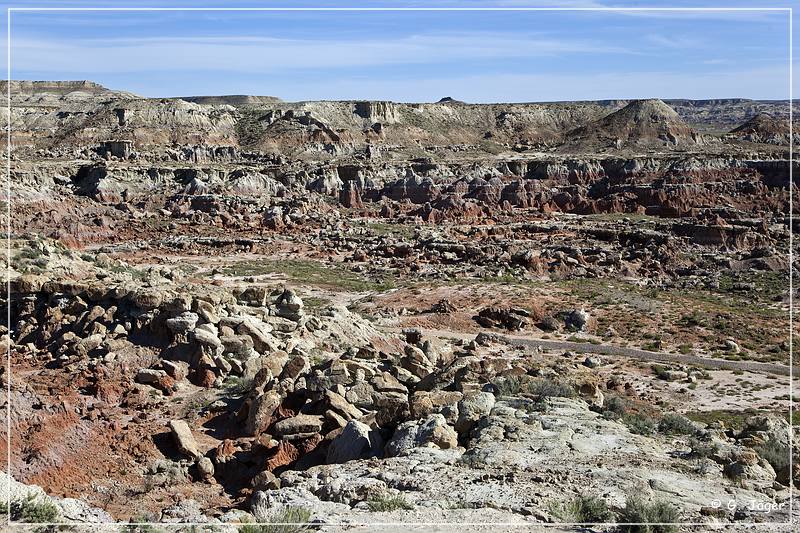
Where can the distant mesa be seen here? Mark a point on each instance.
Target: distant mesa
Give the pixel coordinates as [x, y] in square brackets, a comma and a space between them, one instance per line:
[641, 122]
[449, 100]
[762, 124]
[764, 128]
[232, 99]
[52, 87]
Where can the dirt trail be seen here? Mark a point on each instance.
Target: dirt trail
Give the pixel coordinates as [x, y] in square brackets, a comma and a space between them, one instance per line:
[608, 349]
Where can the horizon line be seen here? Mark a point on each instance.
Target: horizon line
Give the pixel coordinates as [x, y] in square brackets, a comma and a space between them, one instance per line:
[453, 100]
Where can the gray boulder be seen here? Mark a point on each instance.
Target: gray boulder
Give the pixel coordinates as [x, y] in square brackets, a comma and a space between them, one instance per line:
[356, 441]
[298, 426]
[289, 305]
[431, 431]
[578, 320]
[182, 323]
[473, 408]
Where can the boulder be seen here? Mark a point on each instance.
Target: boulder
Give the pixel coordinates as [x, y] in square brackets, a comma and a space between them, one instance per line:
[424, 403]
[207, 342]
[340, 406]
[548, 323]
[205, 468]
[259, 333]
[385, 382]
[88, 344]
[204, 377]
[750, 469]
[356, 441]
[147, 299]
[471, 409]
[183, 323]
[430, 432]
[503, 317]
[206, 311]
[265, 480]
[289, 305]
[261, 410]
[237, 345]
[416, 362]
[592, 362]
[577, 320]
[149, 376]
[298, 425]
[294, 368]
[177, 370]
[184, 438]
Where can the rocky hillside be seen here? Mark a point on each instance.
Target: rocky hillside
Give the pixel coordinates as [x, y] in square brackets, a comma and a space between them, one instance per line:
[764, 128]
[237, 308]
[640, 123]
[71, 116]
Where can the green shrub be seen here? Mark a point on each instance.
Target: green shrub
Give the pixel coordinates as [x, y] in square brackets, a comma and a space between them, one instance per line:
[548, 388]
[614, 407]
[639, 516]
[33, 512]
[541, 387]
[640, 424]
[674, 424]
[236, 386]
[388, 503]
[775, 453]
[509, 386]
[288, 520]
[583, 510]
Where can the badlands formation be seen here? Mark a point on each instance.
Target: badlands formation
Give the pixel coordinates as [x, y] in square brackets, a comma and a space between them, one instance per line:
[236, 309]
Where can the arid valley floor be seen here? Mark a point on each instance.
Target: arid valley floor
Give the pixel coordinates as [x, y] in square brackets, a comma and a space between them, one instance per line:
[239, 309]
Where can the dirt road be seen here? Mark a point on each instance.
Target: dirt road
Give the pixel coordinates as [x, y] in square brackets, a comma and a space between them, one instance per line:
[608, 349]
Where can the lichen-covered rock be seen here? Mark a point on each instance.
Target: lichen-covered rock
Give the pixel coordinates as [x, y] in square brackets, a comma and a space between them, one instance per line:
[432, 431]
[183, 323]
[471, 409]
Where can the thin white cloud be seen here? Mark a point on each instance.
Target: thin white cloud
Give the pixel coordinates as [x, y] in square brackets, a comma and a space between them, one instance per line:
[758, 14]
[762, 83]
[719, 61]
[672, 41]
[258, 54]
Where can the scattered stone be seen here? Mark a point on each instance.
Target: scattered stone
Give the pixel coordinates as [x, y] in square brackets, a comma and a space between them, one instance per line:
[205, 468]
[184, 438]
[261, 410]
[577, 320]
[298, 425]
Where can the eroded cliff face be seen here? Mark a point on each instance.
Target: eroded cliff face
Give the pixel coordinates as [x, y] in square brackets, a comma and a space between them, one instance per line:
[74, 115]
[445, 161]
[86, 158]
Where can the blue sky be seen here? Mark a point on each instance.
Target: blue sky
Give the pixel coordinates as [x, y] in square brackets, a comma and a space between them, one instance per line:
[485, 56]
